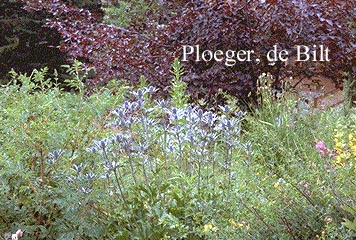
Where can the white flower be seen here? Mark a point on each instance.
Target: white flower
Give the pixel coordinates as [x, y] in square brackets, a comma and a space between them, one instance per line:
[17, 235]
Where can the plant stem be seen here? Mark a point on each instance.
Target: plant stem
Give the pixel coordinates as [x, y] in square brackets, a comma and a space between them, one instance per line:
[117, 179]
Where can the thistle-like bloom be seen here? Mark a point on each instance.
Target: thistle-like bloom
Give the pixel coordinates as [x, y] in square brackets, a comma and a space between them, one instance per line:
[140, 103]
[239, 114]
[127, 105]
[119, 113]
[191, 138]
[55, 154]
[110, 166]
[89, 175]
[225, 109]
[226, 123]
[102, 144]
[78, 168]
[151, 89]
[161, 103]
[93, 150]
[85, 190]
[200, 113]
[209, 118]
[139, 93]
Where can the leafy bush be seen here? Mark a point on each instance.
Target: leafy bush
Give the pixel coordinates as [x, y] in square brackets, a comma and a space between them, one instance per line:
[43, 132]
[344, 163]
[126, 13]
[300, 194]
[24, 43]
[120, 164]
[150, 49]
[167, 166]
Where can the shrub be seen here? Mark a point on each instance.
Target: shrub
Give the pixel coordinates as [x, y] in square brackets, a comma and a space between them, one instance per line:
[171, 168]
[120, 164]
[150, 49]
[25, 43]
[300, 193]
[126, 13]
[344, 164]
[44, 132]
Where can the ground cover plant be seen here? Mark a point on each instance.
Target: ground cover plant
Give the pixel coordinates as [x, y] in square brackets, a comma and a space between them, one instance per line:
[123, 164]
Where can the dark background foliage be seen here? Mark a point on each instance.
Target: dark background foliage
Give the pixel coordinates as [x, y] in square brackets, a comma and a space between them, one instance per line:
[150, 44]
[25, 44]
[253, 25]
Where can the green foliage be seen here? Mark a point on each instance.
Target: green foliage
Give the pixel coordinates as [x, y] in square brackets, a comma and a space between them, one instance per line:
[350, 224]
[122, 13]
[301, 192]
[121, 165]
[119, 15]
[43, 133]
[85, 3]
[77, 75]
[178, 92]
[349, 91]
[345, 162]
[12, 43]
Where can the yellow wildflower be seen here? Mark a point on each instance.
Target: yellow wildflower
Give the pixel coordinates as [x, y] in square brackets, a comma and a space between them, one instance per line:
[353, 149]
[248, 227]
[350, 137]
[338, 150]
[233, 223]
[277, 186]
[207, 227]
[338, 135]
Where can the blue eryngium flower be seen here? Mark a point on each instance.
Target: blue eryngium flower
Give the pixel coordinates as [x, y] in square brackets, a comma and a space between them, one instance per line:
[239, 114]
[139, 93]
[226, 123]
[119, 113]
[105, 176]
[151, 89]
[200, 113]
[161, 103]
[85, 190]
[93, 150]
[78, 168]
[191, 138]
[51, 161]
[127, 105]
[209, 118]
[55, 154]
[140, 103]
[118, 138]
[102, 144]
[111, 166]
[89, 175]
[225, 109]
